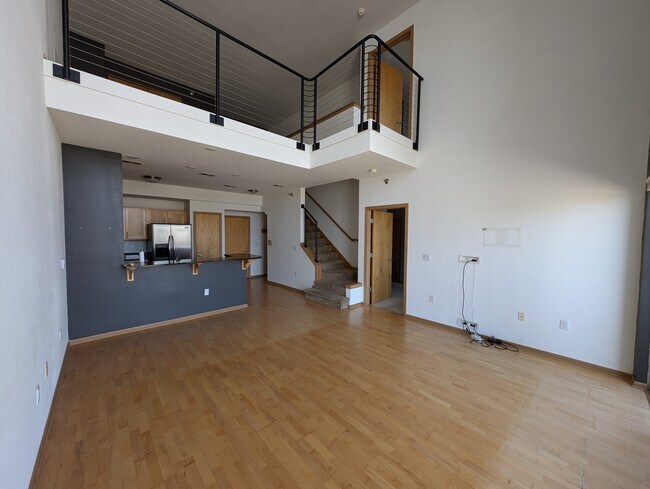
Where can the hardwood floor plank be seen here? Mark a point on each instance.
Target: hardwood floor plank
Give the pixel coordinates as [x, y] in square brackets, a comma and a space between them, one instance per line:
[290, 394]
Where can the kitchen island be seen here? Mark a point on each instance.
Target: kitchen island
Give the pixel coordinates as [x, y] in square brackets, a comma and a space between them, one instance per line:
[101, 300]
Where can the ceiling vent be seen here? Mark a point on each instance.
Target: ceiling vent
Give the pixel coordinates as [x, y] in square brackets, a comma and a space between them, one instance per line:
[253, 190]
[132, 162]
[206, 174]
[152, 178]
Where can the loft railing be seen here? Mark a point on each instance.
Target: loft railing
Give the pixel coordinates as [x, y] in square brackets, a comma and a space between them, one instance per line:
[159, 47]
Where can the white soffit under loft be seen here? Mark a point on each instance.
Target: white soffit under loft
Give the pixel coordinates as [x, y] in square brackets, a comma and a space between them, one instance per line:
[168, 135]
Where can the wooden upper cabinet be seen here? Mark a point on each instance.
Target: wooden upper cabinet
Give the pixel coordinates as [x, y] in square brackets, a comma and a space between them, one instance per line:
[157, 216]
[135, 223]
[178, 217]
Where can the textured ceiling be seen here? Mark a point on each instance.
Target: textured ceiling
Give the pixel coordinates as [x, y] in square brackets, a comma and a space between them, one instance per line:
[304, 34]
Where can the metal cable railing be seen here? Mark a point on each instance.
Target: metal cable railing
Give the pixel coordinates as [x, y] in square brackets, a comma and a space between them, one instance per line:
[161, 48]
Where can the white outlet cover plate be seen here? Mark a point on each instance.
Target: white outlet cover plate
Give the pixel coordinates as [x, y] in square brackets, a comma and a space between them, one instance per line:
[206, 292]
[466, 258]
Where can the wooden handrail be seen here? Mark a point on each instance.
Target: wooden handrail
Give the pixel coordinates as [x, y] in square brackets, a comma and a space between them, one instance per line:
[326, 117]
[331, 218]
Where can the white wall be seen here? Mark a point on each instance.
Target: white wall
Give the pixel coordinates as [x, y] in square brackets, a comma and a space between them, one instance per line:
[341, 201]
[534, 115]
[153, 203]
[32, 290]
[287, 263]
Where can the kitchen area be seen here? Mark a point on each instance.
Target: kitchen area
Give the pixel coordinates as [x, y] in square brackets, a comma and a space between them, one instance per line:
[131, 261]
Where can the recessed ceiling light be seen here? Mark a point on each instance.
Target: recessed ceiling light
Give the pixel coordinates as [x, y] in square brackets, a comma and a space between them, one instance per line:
[210, 148]
[206, 174]
[152, 178]
[130, 157]
[230, 186]
[253, 190]
[276, 185]
[235, 174]
[372, 170]
[191, 167]
[130, 162]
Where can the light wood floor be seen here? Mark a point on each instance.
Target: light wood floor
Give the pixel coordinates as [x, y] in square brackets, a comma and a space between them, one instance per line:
[290, 394]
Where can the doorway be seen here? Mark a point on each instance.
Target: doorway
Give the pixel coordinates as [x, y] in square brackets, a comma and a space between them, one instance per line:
[207, 236]
[386, 244]
[238, 236]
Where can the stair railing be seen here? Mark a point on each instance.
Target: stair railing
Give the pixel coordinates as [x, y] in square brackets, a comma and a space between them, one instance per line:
[313, 219]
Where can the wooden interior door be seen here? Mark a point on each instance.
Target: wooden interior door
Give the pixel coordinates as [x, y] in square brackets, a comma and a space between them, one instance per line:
[381, 267]
[238, 236]
[390, 110]
[207, 236]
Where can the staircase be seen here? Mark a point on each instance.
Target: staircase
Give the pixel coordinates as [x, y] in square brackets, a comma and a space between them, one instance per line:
[335, 272]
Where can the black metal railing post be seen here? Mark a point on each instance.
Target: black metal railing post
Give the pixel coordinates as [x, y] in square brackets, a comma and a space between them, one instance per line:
[416, 143]
[301, 144]
[65, 71]
[363, 86]
[65, 22]
[216, 118]
[313, 219]
[375, 125]
[316, 145]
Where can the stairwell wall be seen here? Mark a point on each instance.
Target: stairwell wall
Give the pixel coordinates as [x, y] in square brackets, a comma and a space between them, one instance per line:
[341, 201]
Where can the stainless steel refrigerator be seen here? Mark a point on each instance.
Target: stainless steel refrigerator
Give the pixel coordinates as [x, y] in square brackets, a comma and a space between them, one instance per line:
[170, 243]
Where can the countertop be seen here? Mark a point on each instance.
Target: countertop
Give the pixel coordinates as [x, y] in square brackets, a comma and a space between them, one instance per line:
[233, 257]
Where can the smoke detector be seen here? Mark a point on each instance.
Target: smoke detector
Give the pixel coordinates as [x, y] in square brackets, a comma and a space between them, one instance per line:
[361, 12]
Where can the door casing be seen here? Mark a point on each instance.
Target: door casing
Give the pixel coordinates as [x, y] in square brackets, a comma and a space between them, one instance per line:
[367, 246]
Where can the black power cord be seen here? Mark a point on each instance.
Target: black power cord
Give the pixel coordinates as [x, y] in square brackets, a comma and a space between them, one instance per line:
[462, 308]
[486, 342]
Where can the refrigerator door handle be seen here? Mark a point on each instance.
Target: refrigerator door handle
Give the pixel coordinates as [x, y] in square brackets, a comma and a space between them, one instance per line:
[170, 250]
[173, 248]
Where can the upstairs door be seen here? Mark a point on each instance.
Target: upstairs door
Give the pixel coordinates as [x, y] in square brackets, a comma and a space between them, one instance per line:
[238, 236]
[381, 266]
[207, 236]
[390, 110]
[391, 94]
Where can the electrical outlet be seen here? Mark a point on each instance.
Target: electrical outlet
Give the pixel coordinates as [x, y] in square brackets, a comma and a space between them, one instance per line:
[564, 325]
[38, 394]
[466, 258]
[426, 257]
[62, 263]
[432, 299]
[206, 292]
[459, 323]
[47, 370]
[521, 316]
[295, 247]
[60, 335]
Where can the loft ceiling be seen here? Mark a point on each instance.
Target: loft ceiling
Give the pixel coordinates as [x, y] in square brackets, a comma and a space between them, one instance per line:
[306, 35]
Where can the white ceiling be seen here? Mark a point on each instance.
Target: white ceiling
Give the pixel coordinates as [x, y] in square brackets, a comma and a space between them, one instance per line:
[306, 35]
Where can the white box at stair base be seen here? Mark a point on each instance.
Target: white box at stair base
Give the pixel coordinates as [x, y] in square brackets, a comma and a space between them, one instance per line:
[355, 295]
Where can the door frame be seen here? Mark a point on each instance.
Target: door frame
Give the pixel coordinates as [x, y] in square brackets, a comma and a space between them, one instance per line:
[366, 252]
[194, 228]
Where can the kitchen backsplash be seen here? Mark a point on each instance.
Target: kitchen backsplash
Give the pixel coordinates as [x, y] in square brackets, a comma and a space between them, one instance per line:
[134, 246]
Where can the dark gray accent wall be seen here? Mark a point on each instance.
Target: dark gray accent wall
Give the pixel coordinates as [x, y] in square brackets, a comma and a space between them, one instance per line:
[642, 344]
[100, 300]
